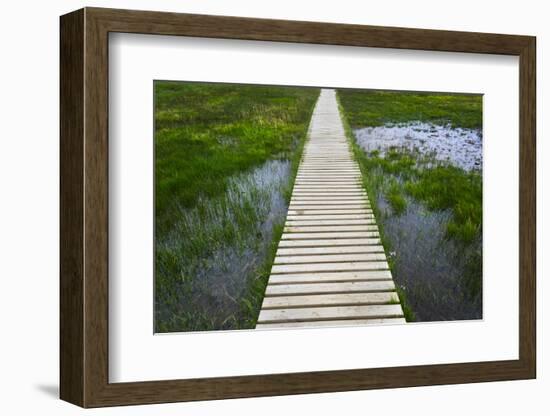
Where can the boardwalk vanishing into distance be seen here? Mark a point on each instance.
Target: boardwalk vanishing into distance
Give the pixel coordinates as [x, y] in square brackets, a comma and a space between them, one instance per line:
[330, 268]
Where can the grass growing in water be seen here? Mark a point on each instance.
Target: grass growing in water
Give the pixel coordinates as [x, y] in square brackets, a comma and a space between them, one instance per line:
[226, 157]
[395, 197]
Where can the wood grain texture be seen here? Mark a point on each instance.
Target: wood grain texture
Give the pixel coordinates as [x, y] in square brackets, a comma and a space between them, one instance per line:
[84, 215]
[71, 187]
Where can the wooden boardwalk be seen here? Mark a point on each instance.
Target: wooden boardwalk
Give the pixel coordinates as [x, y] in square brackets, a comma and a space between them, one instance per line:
[330, 268]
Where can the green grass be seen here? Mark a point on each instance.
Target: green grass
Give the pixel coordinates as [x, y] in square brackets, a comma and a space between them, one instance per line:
[209, 141]
[204, 133]
[408, 312]
[402, 173]
[395, 197]
[376, 108]
[448, 187]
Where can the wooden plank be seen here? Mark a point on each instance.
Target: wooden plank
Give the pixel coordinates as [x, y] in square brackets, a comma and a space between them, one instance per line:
[336, 169]
[336, 287]
[330, 277]
[352, 185]
[334, 166]
[329, 185]
[357, 197]
[348, 162]
[328, 313]
[330, 258]
[329, 192]
[356, 183]
[327, 207]
[302, 251]
[332, 229]
[329, 267]
[332, 242]
[320, 199]
[330, 235]
[330, 196]
[339, 299]
[344, 221]
[303, 217]
[333, 180]
[320, 160]
[329, 203]
[337, 323]
[328, 176]
[323, 194]
[344, 211]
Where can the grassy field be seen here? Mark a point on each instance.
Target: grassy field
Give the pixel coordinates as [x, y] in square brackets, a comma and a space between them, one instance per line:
[206, 133]
[375, 108]
[400, 177]
[224, 162]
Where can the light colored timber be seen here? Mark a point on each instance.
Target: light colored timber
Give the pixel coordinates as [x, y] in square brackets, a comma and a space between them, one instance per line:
[345, 211]
[341, 217]
[301, 192]
[328, 175]
[329, 187]
[304, 251]
[348, 181]
[336, 235]
[334, 169]
[333, 228]
[309, 223]
[320, 199]
[329, 258]
[330, 312]
[330, 268]
[327, 194]
[325, 324]
[319, 187]
[338, 299]
[332, 181]
[330, 277]
[362, 203]
[319, 242]
[327, 207]
[330, 197]
[324, 168]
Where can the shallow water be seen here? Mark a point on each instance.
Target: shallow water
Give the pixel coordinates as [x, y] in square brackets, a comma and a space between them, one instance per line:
[214, 272]
[457, 146]
[428, 267]
[435, 273]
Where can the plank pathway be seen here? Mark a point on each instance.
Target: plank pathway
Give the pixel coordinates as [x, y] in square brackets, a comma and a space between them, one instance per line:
[330, 268]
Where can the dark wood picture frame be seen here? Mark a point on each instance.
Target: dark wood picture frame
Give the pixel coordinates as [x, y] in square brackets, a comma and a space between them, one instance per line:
[84, 207]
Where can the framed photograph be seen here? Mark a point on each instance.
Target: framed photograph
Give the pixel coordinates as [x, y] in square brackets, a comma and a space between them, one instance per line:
[255, 207]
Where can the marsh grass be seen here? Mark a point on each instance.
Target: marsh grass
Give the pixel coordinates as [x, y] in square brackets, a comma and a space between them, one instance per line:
[376, 108]
[205, 133]
[403, 177]
[225, 161]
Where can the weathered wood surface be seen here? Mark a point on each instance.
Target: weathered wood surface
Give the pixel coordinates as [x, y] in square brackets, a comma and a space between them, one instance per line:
[330, 268]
